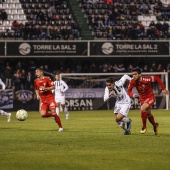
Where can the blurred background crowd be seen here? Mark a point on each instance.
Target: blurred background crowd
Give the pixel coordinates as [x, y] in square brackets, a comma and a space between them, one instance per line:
[19, 73]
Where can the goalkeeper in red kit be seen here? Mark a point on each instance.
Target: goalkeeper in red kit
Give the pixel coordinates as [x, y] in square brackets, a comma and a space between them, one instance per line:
[143, 84]
[43, 88]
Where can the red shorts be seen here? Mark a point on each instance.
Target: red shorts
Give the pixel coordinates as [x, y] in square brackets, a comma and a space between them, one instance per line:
[48, 104]
[150, 101]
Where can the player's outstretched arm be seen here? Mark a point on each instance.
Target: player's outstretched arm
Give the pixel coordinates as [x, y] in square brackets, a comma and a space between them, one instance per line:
[125, 77]
[106, 94]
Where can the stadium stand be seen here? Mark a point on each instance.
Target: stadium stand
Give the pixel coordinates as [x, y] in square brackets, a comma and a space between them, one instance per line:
[38, 19]
[127, 19]
[72, 19]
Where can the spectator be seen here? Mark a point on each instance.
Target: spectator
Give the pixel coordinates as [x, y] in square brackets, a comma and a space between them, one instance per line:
[132, 9]
[29, 81]
[152, 24]
[118, 32]
[151, 33]
[16, 79]
[153, 67]
[131, 32]
[130, 67]
[44, 33]
[23, 79]
[158, 25]
[115, 67]
[4, 15]
[110, 35]
[158, 14]
[108, 2]
[37, 32]
[159, 2]
[50, 14]
[144, 9]
[124, 35]
[8, 76]
[165, 29]
[121, 68]
[160, 68]
[157, 33]
[15, 26]
[138, 33]
[142, 27]
[145, 68]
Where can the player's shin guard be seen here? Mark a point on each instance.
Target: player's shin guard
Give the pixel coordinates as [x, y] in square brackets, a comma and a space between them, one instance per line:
[144, 119]
[126, 120]
[151, 120]
[57, 120]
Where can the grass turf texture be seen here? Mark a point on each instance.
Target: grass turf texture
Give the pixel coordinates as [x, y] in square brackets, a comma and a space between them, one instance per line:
[91, 141]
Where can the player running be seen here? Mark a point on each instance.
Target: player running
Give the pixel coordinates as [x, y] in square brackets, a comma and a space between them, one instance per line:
[123, 102]
[60, 88]
[143, 85]
[43, 88]
[3, 113]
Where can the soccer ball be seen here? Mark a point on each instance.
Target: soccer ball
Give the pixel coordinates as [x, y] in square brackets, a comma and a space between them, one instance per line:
[21, 115]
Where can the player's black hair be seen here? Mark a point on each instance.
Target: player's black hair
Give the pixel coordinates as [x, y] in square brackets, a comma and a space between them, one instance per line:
[110, 80]
[58, 73]
[137, 69]
[40, 69]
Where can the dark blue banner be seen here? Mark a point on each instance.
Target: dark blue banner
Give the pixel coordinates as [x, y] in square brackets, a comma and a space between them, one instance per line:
[44, 49]
[129, 48]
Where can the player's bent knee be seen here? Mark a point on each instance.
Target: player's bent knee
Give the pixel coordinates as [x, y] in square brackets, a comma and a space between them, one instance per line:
[118, 119]
[143, 109]
[42, 115]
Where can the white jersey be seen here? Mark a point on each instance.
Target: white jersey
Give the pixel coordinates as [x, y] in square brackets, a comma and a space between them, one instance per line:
[60, 86]
[119, 91]
[2, 84]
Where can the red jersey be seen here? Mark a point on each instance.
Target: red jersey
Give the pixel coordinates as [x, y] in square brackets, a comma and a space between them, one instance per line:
[144, 86]
[40, 84]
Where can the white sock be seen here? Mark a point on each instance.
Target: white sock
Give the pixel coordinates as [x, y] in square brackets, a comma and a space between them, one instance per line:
[57, 110]
[66, 111]
[3, 113]
[122, 125]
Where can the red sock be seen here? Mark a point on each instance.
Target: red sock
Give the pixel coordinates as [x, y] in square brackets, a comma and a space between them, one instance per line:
[57, 119]
[144, 119]
[151, 120]
[47, 115]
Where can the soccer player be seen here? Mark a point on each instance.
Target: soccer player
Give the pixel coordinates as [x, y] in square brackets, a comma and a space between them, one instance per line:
[43, 88]
[3, 113]
[60, 88]
[123, 102]
[143, 85]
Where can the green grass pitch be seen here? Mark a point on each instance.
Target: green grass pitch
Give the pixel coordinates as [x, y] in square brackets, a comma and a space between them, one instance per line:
[91, 141]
